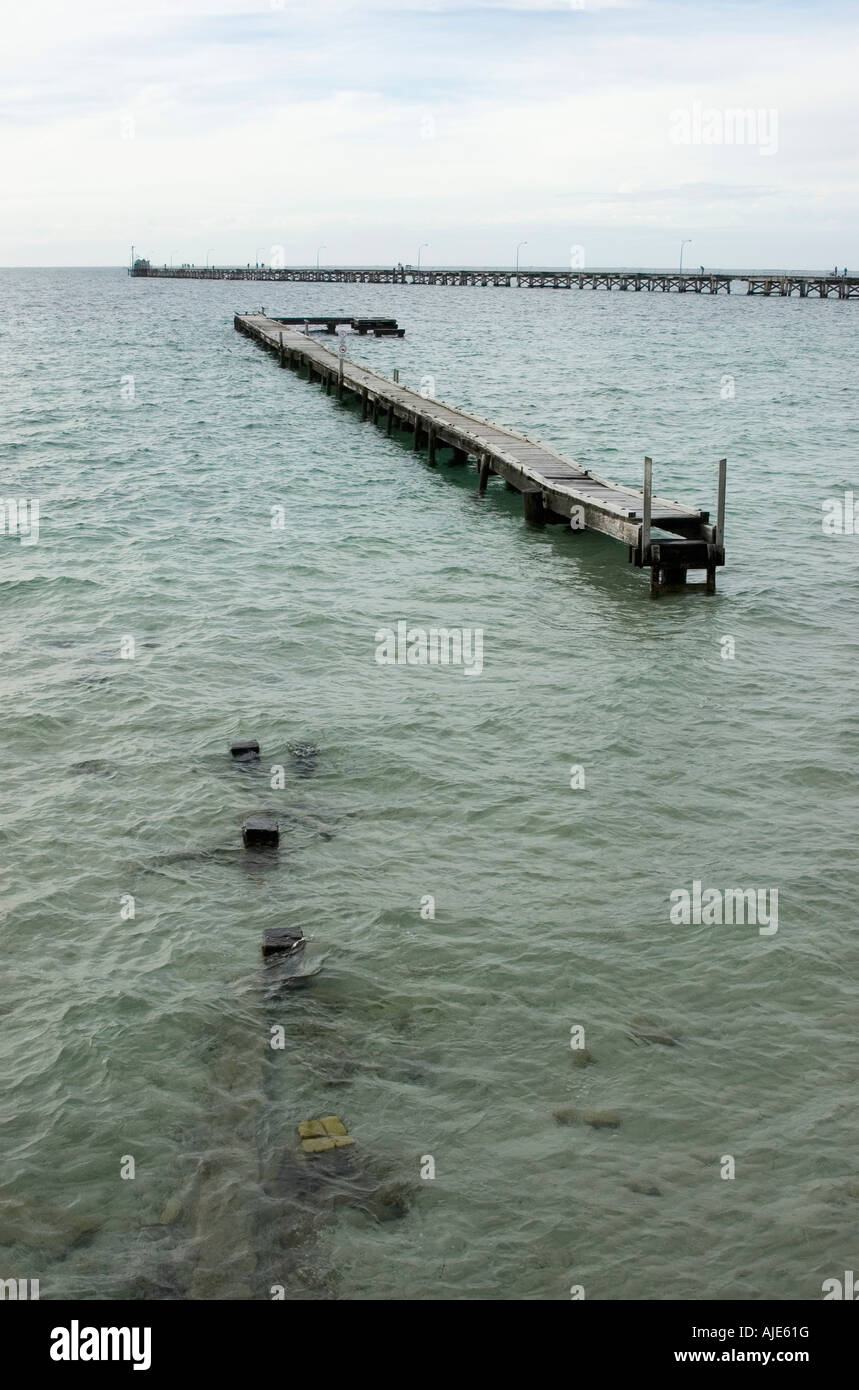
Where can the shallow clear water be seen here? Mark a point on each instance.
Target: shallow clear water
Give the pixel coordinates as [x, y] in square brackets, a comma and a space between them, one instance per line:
[450, 1037]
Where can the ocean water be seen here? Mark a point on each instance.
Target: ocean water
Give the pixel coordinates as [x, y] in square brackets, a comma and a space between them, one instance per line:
[446, 1037]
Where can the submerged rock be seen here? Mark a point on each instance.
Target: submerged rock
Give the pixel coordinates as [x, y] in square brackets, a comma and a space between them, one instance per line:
[304, 758]
[45, 1226]
[602, 1119]
[582, 1057]
[337, 1071]
[391, 1200]
[172, 1211]
[565, 1115]
[645, 1188]
[644, 1030]
[221, 854]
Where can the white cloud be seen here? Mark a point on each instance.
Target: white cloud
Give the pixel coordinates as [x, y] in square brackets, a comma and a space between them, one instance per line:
[171, 129]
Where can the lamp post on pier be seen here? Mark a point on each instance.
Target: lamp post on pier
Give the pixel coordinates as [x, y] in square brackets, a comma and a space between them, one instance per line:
[687, 241]
[323, 247]
[518, 249]
[423, 246]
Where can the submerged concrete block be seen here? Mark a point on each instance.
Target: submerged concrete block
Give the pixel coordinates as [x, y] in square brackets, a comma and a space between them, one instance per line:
[316, 1146]
[260, 831]
[245, 749]
[283, 941]
[327, 1133]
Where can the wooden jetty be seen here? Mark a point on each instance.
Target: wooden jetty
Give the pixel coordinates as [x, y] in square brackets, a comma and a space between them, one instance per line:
[665, 536]
[765, 283]
[380, 328]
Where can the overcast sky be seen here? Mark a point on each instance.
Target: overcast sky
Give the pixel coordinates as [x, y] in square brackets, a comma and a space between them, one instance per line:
[231, 128]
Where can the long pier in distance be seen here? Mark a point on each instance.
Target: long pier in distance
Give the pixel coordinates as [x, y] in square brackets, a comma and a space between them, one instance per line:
[806, 285]
[665, 536]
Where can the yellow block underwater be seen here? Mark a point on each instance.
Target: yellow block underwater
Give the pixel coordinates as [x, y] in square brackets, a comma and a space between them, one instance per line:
[327, 1133]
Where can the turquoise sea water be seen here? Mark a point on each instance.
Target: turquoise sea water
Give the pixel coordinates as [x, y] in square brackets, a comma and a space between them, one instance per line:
[444, 1038]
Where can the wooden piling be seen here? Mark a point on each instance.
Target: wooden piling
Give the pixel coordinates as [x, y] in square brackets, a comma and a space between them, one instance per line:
[485, 470]
[533, 508]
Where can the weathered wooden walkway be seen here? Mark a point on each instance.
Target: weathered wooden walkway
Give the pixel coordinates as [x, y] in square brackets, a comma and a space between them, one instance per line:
[765, 283]
[553, 487]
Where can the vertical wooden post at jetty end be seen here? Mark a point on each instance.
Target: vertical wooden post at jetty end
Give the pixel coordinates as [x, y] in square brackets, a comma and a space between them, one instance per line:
[720, 504]
[717, 555]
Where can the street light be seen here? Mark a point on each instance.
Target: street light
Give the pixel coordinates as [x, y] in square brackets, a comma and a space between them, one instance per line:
[423, 246]
[518, 248]
[208, 254]
[323, 247]
[687, 241]
[172, 254]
